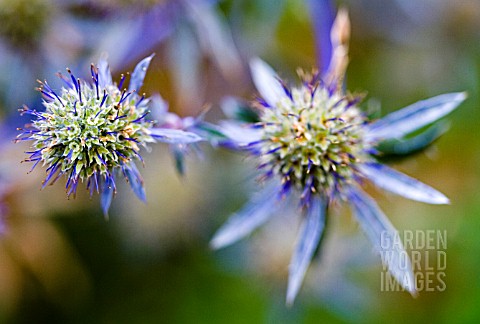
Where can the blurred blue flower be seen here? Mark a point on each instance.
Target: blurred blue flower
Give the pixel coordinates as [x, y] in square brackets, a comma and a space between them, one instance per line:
[91, 131]
[313, 144]
[192, 27]
[39, 35]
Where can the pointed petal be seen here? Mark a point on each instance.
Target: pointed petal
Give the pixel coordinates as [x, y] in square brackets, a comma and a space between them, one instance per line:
[135, 180]
[266, 81]
[256, 212]
[139, 73]
[413, 117]
[340, 37]
[313, 226]
[106, 195]
[323, 15]
[104, 74]
[240, 134]
[401, 184]
[379, 230]
[174, 136]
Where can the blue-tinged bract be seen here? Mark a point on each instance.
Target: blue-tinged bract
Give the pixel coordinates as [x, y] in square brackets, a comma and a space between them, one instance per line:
[89, 131]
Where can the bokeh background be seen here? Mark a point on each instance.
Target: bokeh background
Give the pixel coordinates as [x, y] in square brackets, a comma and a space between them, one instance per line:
[61, 261]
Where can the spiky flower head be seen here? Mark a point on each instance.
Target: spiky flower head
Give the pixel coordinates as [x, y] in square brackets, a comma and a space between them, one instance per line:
[312, 137]
[91, 130]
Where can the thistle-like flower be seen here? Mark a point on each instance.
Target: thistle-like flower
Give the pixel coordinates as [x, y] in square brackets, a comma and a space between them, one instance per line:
[91, 131]
[312, 142]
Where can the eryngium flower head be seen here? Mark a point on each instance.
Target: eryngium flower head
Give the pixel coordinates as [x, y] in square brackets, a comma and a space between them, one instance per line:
[90, 130]
[312, 138]
[313, 142]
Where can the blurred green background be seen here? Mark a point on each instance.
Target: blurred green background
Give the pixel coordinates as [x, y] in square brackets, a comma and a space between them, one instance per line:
[61, 261]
